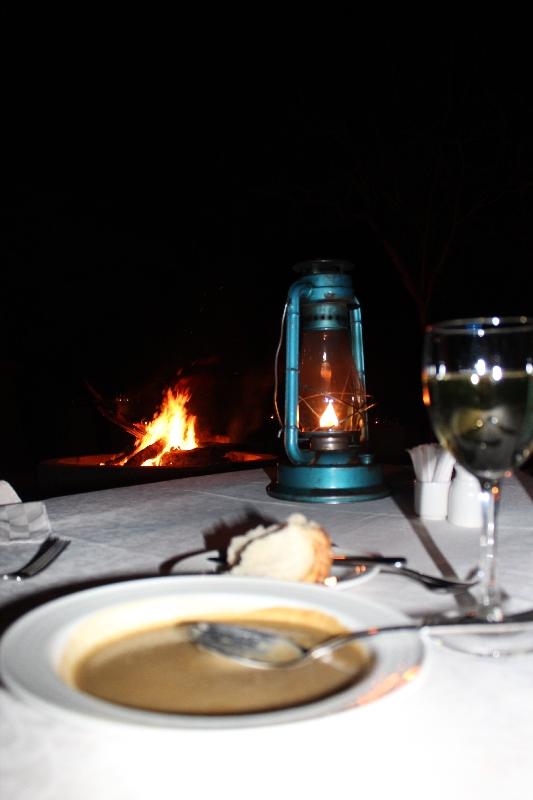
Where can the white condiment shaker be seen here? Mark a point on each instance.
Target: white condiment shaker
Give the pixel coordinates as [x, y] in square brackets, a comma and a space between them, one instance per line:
[464, 500]
[431, 499]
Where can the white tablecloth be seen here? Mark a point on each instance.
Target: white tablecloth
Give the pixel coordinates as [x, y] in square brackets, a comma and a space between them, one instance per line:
[463, 728]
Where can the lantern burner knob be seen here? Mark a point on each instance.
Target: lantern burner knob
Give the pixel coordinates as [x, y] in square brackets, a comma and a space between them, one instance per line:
[330, 440]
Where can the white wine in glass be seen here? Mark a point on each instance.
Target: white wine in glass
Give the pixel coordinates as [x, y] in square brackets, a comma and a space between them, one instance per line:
[477, 379]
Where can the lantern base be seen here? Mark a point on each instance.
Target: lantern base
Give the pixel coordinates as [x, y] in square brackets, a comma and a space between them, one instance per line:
[328, 484]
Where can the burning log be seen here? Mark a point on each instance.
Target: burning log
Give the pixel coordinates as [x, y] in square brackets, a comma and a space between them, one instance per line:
[207, 455]
[201, 456]
[115, 461]
[145, 454]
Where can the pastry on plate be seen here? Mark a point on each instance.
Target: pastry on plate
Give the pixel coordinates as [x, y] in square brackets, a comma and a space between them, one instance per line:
[298, 550]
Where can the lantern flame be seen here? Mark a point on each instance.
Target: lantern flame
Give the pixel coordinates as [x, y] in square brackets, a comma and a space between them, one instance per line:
[329, 418]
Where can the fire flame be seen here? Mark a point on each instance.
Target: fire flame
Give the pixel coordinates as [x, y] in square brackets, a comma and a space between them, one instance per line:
[329, 418]
[173, 425]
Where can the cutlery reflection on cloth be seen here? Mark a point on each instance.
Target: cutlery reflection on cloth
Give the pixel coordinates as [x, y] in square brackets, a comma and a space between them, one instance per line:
[24, 522]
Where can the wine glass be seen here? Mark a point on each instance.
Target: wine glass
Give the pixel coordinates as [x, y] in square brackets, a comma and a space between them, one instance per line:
[477, 379]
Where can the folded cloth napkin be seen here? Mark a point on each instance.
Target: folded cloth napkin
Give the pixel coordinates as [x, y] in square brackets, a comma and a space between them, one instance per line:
[23, 523]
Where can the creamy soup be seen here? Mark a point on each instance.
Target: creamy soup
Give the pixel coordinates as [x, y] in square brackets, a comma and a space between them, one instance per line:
[160, 670]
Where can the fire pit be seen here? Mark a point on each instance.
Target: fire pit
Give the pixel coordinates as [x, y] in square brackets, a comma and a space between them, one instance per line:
[88, 473]
[166, 447]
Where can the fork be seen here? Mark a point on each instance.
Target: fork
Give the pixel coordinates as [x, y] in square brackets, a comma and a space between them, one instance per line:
[47, 552]
[397, 566]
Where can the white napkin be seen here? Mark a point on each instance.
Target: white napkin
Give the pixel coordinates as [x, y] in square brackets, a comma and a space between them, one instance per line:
[432, 463]
[8, 494]
[20, 522]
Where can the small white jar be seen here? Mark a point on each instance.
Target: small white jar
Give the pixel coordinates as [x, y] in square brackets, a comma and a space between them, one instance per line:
[431, 499]
[464, 501]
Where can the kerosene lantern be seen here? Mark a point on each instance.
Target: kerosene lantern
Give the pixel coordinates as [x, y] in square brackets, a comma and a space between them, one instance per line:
[325, 427]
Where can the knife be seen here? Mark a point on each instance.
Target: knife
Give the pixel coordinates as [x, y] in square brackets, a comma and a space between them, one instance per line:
[348, 559]
[392, 561]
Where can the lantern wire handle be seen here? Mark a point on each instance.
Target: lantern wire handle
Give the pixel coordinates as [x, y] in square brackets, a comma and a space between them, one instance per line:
[276, 368]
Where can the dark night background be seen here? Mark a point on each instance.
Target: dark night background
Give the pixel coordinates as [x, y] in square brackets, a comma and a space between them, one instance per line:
[147, 235]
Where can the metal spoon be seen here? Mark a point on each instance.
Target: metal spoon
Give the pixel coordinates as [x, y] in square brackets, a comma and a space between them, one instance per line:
[270, 649]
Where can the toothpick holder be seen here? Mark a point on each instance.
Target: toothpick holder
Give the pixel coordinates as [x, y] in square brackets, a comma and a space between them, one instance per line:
[431, 499]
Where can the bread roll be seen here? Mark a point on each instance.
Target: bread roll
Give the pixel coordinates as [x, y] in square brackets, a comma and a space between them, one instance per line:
[297, 550]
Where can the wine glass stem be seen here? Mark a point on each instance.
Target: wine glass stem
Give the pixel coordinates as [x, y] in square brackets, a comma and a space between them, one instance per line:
[491, 600]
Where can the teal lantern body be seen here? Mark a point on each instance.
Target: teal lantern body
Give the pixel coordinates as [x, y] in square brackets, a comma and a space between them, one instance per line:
[325, 425]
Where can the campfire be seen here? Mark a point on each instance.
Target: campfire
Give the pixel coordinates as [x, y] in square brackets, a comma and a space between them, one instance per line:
[169, 434]
[174, 443]
[171, 438]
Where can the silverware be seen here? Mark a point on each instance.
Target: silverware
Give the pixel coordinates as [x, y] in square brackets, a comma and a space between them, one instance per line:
[49, 550]
[397, 566]
[392, 565]
[269, 649]
[386, 561]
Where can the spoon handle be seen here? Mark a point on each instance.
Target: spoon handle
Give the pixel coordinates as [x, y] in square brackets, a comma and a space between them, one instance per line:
[448, 627]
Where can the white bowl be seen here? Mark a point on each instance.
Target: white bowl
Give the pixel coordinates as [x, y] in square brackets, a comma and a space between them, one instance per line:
[36, 648]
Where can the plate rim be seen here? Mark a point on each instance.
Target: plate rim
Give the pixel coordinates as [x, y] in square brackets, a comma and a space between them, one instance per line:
[28, 672]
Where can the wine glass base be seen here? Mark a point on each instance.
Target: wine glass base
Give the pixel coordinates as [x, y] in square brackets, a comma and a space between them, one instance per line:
[489, 644]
